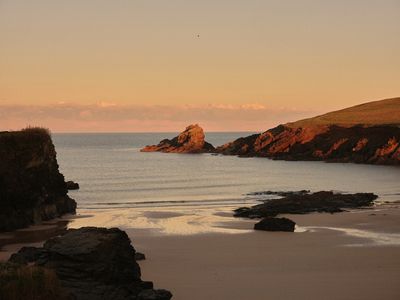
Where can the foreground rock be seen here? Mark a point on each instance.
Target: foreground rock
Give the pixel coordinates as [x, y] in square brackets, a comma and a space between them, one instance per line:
[275, 224]
[189, 141]
[72, 185]
[368, 133]
[301, 203]
[31, 187]
[93, 264]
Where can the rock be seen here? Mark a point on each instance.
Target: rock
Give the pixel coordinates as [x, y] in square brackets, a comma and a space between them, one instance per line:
[139, 256]
[93, 264]
[368, 133]
[154, 295]
[301, 203]
[191, 140]
[72, 185]
[31, 187]
[275, 224]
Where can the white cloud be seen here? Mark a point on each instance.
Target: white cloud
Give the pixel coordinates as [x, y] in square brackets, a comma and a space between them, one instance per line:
[104, 116]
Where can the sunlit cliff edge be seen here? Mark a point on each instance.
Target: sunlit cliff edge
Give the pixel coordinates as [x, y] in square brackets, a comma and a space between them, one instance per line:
[367, 133]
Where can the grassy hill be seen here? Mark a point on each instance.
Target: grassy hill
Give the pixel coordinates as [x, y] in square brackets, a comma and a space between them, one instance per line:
[383, 112]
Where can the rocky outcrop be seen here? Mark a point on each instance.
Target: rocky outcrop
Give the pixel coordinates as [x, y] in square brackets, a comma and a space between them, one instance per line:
[93, 264]
[191, 140]
[302, 203]
[72, 185]
[359, 144]
[31, 187]
[367, 133]
[275, 224]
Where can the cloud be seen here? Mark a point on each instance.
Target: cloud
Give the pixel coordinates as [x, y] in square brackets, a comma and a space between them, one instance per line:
[106, 117]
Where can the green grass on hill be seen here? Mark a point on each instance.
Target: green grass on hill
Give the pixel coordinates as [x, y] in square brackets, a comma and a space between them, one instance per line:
[383, 112]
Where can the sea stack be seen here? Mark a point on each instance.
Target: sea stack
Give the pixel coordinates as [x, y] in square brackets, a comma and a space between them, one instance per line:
[191, 140]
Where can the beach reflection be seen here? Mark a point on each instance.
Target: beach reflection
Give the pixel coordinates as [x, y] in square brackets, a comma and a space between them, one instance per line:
[162, 220]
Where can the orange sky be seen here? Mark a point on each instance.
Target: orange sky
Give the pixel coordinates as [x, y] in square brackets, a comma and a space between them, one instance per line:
[288, 58]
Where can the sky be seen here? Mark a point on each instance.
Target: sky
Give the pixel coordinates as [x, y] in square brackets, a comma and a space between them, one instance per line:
[157, 65]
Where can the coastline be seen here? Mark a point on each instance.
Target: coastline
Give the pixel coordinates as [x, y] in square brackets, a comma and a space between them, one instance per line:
[225, 258]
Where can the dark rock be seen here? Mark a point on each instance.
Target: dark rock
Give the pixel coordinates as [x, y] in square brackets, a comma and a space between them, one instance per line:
[301, 203]
[191, 140]
[93, 264]
[31, 187]
[275, 224]
[72, 185]
[154, 295]
[139, 256]
[26, 255]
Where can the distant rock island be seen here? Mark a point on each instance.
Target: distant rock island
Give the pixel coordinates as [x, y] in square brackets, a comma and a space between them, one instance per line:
[191, 140]
[366, 133]
[31, 187]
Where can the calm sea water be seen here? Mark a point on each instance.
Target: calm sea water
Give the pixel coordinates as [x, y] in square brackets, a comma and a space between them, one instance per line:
[113, 173]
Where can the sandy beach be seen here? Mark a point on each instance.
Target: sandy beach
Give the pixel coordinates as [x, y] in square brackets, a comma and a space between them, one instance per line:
[350, 255]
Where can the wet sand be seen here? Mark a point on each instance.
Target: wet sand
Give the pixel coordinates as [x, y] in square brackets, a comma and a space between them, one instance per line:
[351, 255]
[317, 263]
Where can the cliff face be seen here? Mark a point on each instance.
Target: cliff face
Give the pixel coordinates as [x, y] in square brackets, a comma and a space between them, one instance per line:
[31, 187]
[367, 133]
[372, 145]
[191, 140]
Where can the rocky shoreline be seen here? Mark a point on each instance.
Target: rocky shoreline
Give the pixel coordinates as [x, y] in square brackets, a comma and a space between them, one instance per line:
[300, 202]
[83, 264]
[93, 263]
[358, 144]
[367, 133]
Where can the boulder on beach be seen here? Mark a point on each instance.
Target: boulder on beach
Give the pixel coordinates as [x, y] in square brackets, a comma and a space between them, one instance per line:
[93, 263]
[275, 224]
[191, 140]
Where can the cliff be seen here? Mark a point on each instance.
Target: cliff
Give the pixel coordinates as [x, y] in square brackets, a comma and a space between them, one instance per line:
[191, 140]
[367, 133]
[31, 187]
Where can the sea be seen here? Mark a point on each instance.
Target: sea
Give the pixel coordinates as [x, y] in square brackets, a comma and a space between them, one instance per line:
[187, 194]
[114, 174]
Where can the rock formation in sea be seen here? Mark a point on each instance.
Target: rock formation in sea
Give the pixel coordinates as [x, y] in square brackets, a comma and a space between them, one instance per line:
[305, 202]
[31, 187]
[367, 133]
[300, 202]
[191, 140]
[93, 263]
